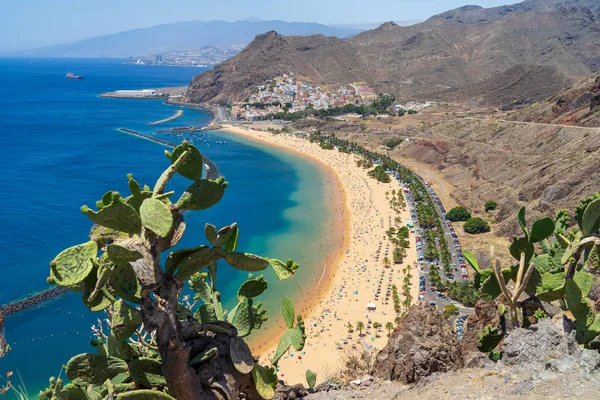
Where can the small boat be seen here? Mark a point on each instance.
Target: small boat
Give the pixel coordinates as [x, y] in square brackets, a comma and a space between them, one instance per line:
[70, 75]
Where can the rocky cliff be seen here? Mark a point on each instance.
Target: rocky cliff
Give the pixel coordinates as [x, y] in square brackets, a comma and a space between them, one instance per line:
[422, 344]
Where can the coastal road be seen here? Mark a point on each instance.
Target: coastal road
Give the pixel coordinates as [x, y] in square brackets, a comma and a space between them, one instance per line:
[593, 129]
[452, 242]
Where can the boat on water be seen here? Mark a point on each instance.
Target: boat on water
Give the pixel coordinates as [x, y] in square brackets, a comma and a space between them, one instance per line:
[70, 75]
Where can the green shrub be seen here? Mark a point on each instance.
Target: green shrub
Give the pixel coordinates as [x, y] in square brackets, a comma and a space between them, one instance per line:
[392, 142]
[476, 225]
[379, 173]
[458, 214]
[490, 205]
[449, 310]
[326, 146]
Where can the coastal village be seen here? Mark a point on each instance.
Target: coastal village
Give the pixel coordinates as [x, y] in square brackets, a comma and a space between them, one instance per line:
[286, 93]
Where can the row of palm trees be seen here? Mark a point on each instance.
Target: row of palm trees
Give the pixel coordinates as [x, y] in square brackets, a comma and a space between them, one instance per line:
[360, 326]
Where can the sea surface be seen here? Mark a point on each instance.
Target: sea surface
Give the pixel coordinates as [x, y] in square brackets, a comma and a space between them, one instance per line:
[62, 149]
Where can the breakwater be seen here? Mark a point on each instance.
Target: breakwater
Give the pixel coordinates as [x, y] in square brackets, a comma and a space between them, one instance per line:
[31, 301]
[211, 169]
[177, 114]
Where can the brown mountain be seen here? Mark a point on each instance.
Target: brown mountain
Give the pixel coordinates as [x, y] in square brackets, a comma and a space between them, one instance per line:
[458, 54]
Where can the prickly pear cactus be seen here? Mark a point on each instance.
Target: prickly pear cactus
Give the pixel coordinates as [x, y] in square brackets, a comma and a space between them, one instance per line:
[294, 336]
[489, 339]
[139, 296]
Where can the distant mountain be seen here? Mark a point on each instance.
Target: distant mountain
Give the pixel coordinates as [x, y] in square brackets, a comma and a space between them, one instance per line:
[182, 36]
[519, 54]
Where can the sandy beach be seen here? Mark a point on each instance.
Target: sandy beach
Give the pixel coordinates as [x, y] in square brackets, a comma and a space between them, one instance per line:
[350, 280]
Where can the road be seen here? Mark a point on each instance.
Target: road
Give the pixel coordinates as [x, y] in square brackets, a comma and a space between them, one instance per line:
[594, 129]
[430, 294]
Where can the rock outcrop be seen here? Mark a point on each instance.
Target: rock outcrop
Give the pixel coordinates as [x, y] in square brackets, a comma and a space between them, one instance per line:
[486, 314]
[422, 344]
[550, 347]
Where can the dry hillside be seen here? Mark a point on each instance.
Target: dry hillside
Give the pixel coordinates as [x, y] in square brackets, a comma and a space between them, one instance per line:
[577, 105]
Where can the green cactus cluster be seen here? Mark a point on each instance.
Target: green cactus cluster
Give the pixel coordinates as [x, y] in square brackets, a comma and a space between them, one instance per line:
[489, 339]
[557, 260]
[119, 271]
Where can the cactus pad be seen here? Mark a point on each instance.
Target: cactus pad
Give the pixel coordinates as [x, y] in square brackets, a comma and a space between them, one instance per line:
[591, 218]
[156, 217]
[177, 257]
[579, 306]
[283, 270]
[265, 380]
[124, 283]
[311, 378]
[227, 237]
[147, 372]
[248, 317]
[124, 320]
[101, 301]
[246, 261]
[211, 233]
[287, 309]
[207, 355]
[120, 349]
[252, 288]
[94, 369]
[71, 266]
[202, 194]
[117, 215]
[489, 339]
[144, 395]
[206, 313]
[241, 356]
[192, 167]
[103, 235]
[521, 245]
[542, 229]
[195, 262]
[122, 255]
[292, 337]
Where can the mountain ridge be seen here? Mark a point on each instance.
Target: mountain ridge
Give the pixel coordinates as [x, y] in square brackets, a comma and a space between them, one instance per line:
[432, 59]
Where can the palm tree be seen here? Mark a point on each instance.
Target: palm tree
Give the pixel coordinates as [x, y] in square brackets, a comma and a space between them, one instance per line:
[389, 326]
[376, 326]
[360, 326]
[387, 194]
[386, 262]
[350, 328]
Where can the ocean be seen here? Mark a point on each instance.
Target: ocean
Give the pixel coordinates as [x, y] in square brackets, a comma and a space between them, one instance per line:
[63, 149]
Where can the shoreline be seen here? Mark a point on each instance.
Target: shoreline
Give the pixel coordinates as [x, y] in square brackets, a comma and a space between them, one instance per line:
[324, 285]
[356, 273]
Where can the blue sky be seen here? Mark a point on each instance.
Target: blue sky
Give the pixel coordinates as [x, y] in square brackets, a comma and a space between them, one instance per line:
[32, 23]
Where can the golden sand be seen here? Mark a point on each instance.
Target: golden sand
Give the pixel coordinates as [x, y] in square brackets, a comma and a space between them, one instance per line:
[352, 279]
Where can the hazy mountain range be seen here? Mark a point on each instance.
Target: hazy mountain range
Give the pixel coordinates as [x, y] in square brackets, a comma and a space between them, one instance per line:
[184, 36]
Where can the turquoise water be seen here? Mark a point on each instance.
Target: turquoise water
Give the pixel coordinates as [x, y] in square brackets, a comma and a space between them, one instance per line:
[62, 149]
